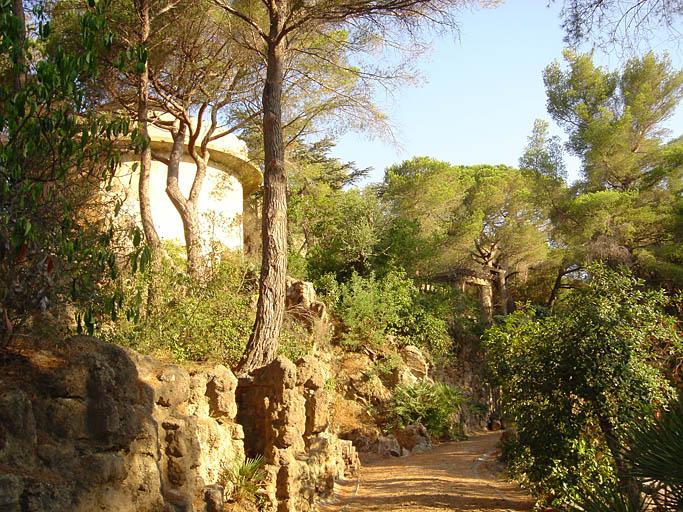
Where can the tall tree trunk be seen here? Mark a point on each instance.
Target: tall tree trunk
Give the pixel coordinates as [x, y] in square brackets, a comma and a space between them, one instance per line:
[270, 309]
[251, 224]
[502, 288]
[486, 302]
[151, 235]
[187, 209]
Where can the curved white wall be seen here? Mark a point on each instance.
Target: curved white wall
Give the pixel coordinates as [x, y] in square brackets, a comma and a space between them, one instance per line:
[220, 203]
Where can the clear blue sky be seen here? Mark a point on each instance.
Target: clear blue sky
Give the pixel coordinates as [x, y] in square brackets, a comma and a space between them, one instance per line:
[482, 94]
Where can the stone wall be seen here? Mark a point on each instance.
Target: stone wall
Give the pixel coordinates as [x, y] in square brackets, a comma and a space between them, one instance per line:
[285, 412]
[97, 427]
[93, 426]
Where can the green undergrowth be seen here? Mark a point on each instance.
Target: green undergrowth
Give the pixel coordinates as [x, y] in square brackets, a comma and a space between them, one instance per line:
[245, 477]
[434, 405]
[206, 321]
[372, 308]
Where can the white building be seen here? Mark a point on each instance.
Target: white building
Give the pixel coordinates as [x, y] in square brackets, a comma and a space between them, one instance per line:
[230, 178]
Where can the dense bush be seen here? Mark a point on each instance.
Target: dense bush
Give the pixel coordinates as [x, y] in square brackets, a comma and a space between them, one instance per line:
[343, 233]
[56, 152]
[199, 321]
[195, 321]
[433, 405]
[577, 381]
[370, 308]
[429, 321]
[654, 456]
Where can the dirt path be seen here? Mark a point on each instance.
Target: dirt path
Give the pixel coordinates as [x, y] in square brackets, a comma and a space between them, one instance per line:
[457, 476]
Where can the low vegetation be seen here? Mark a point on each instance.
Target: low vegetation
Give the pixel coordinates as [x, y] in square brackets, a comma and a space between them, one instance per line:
[245, 478]
[194, 321]
[436, 406]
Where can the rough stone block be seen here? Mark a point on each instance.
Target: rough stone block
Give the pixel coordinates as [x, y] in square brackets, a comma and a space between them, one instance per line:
[317, 413]
[173, 387]
[220, 390]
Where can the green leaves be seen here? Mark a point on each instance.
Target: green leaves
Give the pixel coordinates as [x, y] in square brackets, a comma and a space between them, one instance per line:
[458, 212]
[211, 320]
[657, 452]
[54, 155]
[595, 363]
[432, 405]
[627, 206]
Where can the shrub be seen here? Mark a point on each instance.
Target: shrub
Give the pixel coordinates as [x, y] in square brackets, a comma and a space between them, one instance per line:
[654, 457]
[57, 240]
[426, 324]
[386, 365]
[295, 339]
[433, 405]
[197, 322]
[656, 454]
[577, 381]
[370, 308]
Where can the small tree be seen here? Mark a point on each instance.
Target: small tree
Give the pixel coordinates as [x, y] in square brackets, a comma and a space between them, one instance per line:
[55, 153]
[576, 382]
[197, 85]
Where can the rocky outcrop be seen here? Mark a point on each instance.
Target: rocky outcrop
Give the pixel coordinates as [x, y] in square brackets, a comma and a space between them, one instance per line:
[415, 361]
[285, 412]
[466, 370]
[94, 426]
[363, 383]
[414, 439]
[302, 302]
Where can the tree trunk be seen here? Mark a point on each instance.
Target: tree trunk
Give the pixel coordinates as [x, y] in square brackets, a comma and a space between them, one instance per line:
[556, 289]
[627, 482]
[270, 309]
[151, 235]
[554, 293]
[502, 289]
[486, 302]
[251, 224]
[187, 209]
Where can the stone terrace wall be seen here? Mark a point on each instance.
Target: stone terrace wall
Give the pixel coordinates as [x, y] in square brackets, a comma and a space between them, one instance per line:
[98, 427]
[94, 426]
[284, 409]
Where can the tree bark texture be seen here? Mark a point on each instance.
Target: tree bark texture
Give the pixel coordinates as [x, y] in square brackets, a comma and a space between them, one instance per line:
[186, 208]
[502, 289]
[151, 235]
[270, 309]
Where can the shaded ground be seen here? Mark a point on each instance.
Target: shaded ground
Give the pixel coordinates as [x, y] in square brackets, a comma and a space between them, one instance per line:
[456, 476]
